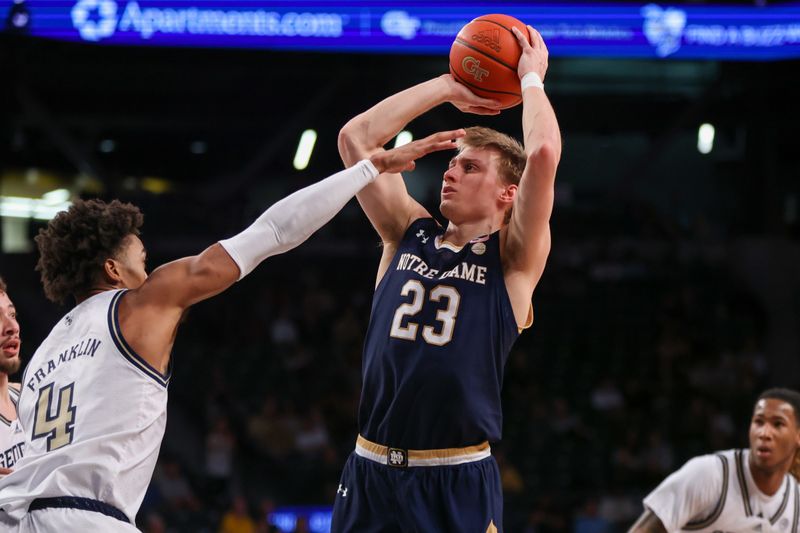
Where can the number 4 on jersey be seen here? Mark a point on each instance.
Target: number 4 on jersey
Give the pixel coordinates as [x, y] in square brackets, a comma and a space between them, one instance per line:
[58, 427]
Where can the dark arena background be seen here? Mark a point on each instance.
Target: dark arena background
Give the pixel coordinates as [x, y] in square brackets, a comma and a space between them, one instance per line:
[671, 297]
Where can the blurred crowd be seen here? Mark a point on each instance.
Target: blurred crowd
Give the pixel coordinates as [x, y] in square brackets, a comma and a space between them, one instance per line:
[644, 352]
[647, 348]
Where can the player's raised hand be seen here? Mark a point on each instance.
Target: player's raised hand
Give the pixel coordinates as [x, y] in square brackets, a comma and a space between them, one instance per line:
[534, 53]
[403, 158]
[467, 101]
[5, 471]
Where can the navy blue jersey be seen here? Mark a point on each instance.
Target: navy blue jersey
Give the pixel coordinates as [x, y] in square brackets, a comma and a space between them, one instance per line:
[439, 335]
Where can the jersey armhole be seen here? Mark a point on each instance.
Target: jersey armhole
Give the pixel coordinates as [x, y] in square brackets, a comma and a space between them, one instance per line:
[126, 350]
[717, 511]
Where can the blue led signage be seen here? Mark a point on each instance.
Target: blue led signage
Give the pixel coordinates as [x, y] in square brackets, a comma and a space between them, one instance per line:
[415, 27]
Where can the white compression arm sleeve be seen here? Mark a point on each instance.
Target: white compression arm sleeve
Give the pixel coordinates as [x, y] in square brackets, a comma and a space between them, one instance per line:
[292, 220]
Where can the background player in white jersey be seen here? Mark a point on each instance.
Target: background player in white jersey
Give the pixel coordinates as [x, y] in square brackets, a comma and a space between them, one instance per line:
[737, 490]
[12, 438]
[93, 401]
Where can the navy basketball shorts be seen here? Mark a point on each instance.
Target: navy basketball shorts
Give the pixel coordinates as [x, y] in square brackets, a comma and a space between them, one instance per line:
[388, 490]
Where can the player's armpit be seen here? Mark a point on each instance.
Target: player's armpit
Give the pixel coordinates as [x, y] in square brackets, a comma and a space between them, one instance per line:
[648, 523]
[149, 315]
[386, 202]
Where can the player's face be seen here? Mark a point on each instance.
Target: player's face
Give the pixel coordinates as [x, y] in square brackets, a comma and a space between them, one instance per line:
[472, 186]
[9, 336]
[774, 436]
[131, 261]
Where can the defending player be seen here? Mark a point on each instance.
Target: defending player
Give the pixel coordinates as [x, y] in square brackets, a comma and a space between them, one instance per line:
[12, 438]
[448, 305]
[737, 490]
[93, 400]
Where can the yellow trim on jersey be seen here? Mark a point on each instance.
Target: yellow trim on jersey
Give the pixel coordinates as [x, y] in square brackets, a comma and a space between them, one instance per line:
[528, 321]
[439, 242]
[444, 456]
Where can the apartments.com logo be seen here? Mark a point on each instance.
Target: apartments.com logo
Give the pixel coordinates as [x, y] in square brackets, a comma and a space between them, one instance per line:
[95, 19]
[98, 19]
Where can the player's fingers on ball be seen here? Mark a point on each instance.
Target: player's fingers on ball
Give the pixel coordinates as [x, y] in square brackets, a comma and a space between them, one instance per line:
[536, 38]
[486, 103]
[539, 39]
[479, 110]
[520, 37]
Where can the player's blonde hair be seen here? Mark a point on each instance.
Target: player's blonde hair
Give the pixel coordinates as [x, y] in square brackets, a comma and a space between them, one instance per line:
[512, 155]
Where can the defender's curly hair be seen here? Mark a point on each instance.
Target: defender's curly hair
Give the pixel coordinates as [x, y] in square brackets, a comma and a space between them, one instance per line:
[76, 243]
[3, 285]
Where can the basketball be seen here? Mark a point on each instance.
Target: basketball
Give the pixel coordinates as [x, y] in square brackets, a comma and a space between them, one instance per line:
[484, 57]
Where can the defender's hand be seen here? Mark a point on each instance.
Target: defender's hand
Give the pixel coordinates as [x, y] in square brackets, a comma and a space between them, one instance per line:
[534, 54]
[466, 101]
[402, 158]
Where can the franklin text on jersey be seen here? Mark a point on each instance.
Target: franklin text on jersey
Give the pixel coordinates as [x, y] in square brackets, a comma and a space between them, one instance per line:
[85, 348]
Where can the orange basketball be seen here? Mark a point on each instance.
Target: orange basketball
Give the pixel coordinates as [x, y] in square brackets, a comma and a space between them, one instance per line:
[485, 55]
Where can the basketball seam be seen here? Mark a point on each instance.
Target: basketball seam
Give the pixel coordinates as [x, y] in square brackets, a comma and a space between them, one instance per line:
[494, 22]
[506, 28]
[465, 82]
[460, 41]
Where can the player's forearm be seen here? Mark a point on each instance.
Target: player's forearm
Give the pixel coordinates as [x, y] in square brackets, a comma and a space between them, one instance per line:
[529, 231]
[283, 226]
[292, 220]
[543, 150]
[372, 129]
[539, 123]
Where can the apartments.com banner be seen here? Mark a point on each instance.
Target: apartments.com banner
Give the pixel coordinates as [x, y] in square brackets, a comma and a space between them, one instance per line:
[657, 30]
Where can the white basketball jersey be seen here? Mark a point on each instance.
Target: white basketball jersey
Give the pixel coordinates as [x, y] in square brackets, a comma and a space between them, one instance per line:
[716, 494]
[94, 414]
[12, 439]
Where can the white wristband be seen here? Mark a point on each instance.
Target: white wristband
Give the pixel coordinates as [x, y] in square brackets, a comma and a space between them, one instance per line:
[531, 79]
